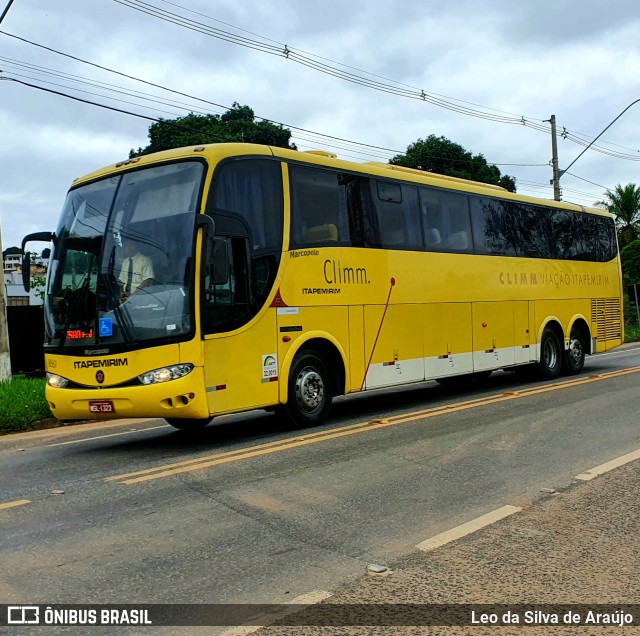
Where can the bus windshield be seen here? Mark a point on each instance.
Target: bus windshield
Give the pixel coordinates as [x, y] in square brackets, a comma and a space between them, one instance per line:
[122, 267]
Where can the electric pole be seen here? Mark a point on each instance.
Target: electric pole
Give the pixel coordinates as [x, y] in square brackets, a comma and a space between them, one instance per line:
[554, 159]
[5, 359]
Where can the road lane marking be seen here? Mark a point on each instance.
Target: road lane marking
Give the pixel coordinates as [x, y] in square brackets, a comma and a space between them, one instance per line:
[89, 439]
[607, 466]
[306, 439]
[13, 504]
[467, 528]
[310, 598]
[621, 352]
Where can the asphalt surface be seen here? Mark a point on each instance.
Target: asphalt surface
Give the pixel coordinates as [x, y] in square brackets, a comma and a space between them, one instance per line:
[250, 512]
[578, 547]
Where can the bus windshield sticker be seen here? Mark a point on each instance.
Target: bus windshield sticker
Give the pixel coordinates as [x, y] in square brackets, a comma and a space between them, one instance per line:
[270, 366]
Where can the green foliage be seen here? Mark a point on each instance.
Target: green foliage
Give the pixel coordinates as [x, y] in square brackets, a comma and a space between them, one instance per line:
[236, 125]
[22, 402]
[631, 333]
[630, 259]
[38, 284]
[624, 203]
[442, 156]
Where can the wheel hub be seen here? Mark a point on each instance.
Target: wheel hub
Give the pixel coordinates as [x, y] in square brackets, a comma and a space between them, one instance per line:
[309, 389]
[575, 351]
[550, 354]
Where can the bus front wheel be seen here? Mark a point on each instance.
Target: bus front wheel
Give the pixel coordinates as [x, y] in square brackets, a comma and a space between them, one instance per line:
[188, 425]
[573, 359]
[550, 355]
[310, 391]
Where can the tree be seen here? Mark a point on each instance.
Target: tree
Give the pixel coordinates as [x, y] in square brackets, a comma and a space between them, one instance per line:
[624, 203]
[440, 155]
[237, 124]
[630, 259]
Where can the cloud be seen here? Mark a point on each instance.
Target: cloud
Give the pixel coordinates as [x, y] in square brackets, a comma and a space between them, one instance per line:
[531, 59]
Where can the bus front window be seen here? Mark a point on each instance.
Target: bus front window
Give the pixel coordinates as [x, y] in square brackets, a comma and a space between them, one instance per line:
[123, 263]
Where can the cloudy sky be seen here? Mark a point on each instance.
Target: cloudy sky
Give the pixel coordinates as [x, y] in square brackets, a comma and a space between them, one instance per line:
[502, 59]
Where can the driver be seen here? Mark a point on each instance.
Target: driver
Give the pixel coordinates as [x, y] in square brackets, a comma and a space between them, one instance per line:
[136, 270]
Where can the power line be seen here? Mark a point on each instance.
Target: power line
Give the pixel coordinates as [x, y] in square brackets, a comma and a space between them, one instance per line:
[323, 136]
[306, 60]
[316, 62]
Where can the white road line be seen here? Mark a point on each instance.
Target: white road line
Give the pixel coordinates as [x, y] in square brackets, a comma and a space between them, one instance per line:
[89, 439]
[607, 466]
[310, 598]
[616, 353]
[467, 528]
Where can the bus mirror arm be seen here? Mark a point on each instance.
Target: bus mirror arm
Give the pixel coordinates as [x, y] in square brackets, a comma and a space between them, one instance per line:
[47, 237]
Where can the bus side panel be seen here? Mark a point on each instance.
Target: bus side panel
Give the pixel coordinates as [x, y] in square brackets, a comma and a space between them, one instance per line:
[399, 353]
[357, 359]
[447, 339]
[521, 331]
[241, 369]
[493, 335]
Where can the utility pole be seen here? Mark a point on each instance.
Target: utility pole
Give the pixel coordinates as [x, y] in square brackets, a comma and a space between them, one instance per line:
[5, 359]
[554, 159]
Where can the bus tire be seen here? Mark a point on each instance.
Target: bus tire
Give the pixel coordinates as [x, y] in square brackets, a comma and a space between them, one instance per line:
[573, 358]
[550, 355]
[188, 425]
[310, 391]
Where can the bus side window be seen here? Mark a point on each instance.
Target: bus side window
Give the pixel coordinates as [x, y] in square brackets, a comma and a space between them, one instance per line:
[396, 211]
[494, 231]
[319, 208]
[445, 221]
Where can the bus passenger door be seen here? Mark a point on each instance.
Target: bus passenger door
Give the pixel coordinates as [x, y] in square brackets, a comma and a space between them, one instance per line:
[241, 369]
[493, 336]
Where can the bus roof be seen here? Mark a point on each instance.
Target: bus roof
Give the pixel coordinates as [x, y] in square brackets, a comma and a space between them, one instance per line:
[330, 160]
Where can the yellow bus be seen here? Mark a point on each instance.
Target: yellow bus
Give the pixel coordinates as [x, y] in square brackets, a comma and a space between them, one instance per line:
[277, 279]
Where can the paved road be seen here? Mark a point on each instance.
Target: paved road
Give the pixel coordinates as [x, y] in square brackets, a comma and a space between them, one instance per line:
[250, 512]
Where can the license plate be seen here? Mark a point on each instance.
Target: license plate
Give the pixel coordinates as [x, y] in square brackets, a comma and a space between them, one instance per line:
[101, 406]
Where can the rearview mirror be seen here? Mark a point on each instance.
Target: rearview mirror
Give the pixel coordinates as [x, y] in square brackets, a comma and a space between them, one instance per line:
[26, 256]
[220, 260]
[26, 271]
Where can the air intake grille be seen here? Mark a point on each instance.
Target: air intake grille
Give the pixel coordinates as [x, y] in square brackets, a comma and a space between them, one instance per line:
[605, 312]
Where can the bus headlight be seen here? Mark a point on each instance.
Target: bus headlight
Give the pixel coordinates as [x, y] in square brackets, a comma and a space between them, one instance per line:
[56, 381]
[166, 373]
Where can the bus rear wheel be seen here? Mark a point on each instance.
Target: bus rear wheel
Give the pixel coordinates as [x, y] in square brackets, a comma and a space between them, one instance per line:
[310, 391]
[573, 358]
[188, 425]
[550, 355]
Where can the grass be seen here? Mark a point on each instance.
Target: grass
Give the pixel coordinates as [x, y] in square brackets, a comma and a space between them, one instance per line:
[631, 333]
[22, 402]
